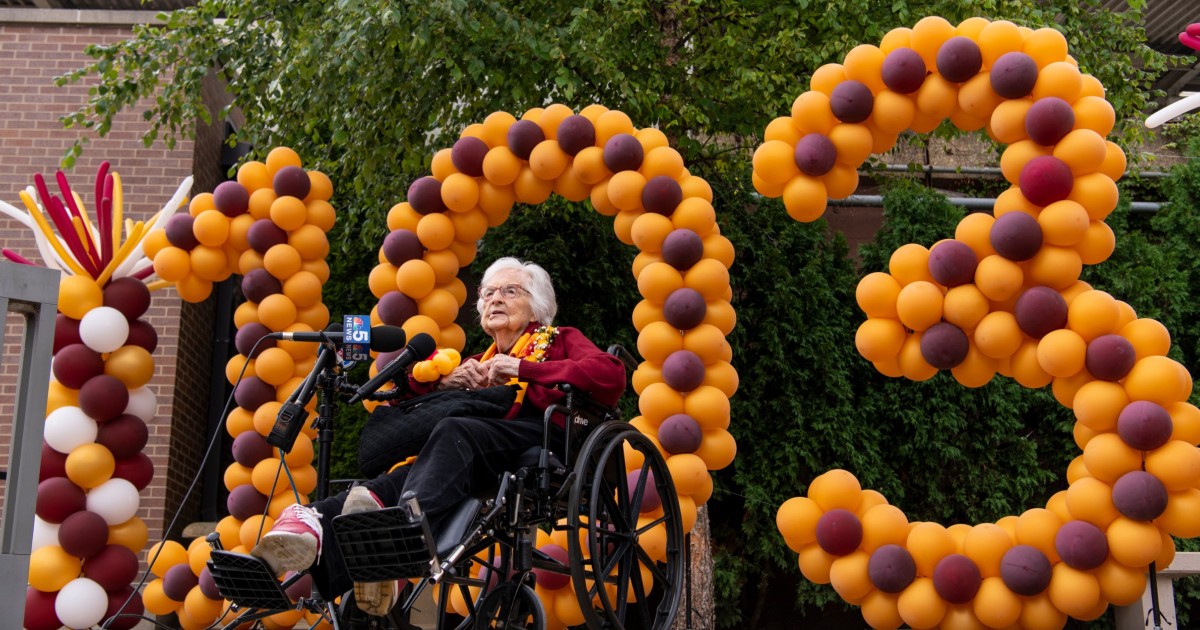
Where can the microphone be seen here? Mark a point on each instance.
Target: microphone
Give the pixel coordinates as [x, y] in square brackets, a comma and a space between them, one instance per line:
[421, 346]
[383, 338]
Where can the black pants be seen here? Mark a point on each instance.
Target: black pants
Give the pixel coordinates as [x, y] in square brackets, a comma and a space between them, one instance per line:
[463, 455]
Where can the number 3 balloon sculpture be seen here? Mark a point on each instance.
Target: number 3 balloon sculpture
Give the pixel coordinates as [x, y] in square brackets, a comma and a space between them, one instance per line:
[1002, 296]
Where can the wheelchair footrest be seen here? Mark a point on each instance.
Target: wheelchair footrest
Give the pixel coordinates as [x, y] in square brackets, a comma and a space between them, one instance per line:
[247, 581]
[384, 545]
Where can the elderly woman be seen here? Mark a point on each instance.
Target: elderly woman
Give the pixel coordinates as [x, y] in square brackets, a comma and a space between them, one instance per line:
[516, 309]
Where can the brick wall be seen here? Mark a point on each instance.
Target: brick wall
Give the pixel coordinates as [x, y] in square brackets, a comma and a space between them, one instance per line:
[32, 140]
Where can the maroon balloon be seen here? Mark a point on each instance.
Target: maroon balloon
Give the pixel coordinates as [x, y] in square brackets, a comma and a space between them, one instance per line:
[1046, 179]
[623, 152]
[1016, 236]
[1025, 570]
[650, 499]
[259, 284]
[685, 308]
[401, 246]
[54, 464]
[680, 433]
[1081, 545]
[1110, 357]
[904, 71]
[136, 469]
[1039, 311]
[244, 501]
[143, 335]
[83, 534]
[1140, 496]
[77, 364]
[291, 181]
[124, 436]
[232, 198]
[113, 568]
[249, 335]
[179, 231]
[683, 371]
[851, 101]
[1013, 75]
[682, 248]
[815, 154]
[395, 308]
[959, 59]
[523, 136]
[550, 579]
[66, 332]
[1144, 425]
[944, 345]
[208, 585]
[384, 358]
[952, 263]
[891, 568]
[425, 196]
[39, 610]
[576, 133]
[264, 234]
[1049, 120]
[249, 448]
[839, 532]
[956, 578]
[301, 588]
[130, 614]
[661, 195]
[178, 580]
[103, 397]
[467, 155]
[58, 498]
[129, 296]
[253, 393]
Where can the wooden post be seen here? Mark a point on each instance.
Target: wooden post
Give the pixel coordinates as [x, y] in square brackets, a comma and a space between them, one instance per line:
[700, 571]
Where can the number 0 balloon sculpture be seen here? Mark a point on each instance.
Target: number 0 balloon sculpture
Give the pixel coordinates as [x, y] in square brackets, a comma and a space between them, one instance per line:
[1001, 296]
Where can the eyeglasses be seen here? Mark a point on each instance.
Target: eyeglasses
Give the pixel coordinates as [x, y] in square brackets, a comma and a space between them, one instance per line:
[508, 292]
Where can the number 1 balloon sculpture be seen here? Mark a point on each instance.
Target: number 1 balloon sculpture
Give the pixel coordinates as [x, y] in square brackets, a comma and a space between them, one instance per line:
[1002, 296]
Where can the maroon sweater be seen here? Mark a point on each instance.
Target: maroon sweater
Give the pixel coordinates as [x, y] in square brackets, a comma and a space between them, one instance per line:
[572, 359]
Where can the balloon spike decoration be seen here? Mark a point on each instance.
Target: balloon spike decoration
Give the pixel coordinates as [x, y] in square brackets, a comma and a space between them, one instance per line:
[682, 271]
[270, 227]
[1191, 39]
[1003, 296]
[86, 533]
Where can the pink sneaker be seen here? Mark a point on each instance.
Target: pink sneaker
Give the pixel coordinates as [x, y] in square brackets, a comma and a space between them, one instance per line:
[294, 543]
[373, 598]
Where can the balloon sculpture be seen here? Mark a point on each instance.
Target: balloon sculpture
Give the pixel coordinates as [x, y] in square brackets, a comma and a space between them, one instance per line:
[1002, 296]
[682, 272]
[269, 226]
[86, 533]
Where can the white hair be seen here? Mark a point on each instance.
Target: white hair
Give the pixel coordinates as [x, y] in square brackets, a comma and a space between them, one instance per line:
[537, 283]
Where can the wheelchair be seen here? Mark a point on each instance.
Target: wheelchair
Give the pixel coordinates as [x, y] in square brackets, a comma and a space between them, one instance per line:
[625, 543]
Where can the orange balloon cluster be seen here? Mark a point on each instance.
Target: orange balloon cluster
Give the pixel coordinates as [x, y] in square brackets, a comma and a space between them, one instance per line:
[1002, 297]
[682, 270]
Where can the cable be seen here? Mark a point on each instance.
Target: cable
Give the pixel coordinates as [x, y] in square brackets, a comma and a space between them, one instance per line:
[186, 495]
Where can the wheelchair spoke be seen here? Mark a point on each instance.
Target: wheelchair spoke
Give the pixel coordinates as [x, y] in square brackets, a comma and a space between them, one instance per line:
[649, 526]
[650, 564]
[639, 493]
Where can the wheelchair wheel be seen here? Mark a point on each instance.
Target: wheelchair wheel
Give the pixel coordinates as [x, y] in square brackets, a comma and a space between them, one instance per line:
[513, 606]
[625, 533]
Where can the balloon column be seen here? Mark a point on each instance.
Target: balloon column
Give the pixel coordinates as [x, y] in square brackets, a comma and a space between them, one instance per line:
[269, 226]
[1002, 296]
[86, 533]
[682, 269]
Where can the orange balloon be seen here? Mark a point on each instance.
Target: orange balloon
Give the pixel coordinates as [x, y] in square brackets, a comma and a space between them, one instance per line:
[880, 339]
[90, 465]
[827, 77]
[891, 114]
[927, 38]
[775, 162]
[277, 311]
[51, 568]
[877, 293]
[1158, 379]
[132, 365]
[997, 335]
[864, 63]
[254, 175]
[811, 113]
[919, 305]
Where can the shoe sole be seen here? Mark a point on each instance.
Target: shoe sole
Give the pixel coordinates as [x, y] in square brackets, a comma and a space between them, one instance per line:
[284, 551]
[375, 598]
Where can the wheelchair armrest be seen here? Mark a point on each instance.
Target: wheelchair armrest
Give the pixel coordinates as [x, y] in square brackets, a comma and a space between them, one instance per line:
[626, 357]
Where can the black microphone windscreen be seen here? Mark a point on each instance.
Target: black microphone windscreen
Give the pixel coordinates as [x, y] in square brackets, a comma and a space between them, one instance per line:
[422, 345]
[335, 327]
[388, 338]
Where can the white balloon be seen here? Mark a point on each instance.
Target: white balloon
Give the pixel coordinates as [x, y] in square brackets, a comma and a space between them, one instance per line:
[68, 428]
[115, 500]
[142, 403]
[81, 603]
[104, 329]
[44, 534]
